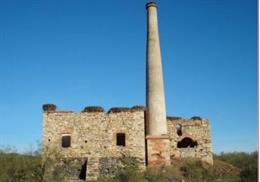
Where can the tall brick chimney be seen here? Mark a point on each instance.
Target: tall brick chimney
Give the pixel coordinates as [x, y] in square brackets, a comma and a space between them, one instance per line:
[156, 124]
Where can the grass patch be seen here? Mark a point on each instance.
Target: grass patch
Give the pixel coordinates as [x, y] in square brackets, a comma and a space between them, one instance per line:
[228, 167]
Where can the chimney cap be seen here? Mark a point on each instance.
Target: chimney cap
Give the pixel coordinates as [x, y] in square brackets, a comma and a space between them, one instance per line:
[151, 4]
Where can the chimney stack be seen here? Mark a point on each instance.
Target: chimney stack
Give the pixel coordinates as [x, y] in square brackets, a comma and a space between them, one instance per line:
[157, 140]
[155, 99]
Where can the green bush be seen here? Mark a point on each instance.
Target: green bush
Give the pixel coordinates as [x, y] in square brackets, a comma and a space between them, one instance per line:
[27, 167]
[228, 167]
[170, 173]
[193, 171]
[15, 167]
[246, 162]
[128, 170]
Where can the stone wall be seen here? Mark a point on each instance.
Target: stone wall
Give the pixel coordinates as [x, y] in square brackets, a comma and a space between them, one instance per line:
[93, 137]
[190, 138]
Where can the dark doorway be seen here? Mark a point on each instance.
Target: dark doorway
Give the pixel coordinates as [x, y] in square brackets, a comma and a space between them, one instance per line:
[83, 171]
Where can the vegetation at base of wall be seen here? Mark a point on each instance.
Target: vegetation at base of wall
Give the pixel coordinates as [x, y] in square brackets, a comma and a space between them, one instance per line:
[182, 170]
[228, 167]
[17, 167]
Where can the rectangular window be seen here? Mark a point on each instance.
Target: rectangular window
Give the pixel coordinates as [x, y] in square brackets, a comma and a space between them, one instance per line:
[120, 139]
[65, 141]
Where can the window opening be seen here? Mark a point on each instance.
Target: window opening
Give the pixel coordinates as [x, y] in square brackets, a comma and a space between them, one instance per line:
[120, 139]
[65, 141]
[179, 129]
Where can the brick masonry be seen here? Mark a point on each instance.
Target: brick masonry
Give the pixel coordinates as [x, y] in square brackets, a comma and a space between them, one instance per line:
[158, 150]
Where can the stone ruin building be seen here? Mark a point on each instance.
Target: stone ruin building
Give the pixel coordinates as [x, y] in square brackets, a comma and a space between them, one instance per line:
[91, 142]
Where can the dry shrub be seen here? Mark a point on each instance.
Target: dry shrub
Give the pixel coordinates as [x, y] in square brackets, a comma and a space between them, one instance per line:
[138, 108]
[172, 118]
[93, 109]
[119, 109]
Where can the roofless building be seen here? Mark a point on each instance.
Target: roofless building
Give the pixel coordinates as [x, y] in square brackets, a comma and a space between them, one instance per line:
[90, 143]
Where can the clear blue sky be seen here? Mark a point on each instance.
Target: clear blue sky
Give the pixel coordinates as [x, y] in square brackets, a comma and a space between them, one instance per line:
[88, 52]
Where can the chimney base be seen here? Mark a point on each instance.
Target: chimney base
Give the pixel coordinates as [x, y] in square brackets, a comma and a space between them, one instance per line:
[158, 150]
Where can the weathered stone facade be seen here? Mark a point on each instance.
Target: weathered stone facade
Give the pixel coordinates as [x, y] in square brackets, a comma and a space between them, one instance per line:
[190, 138]
[93, 139]
[94, 136]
